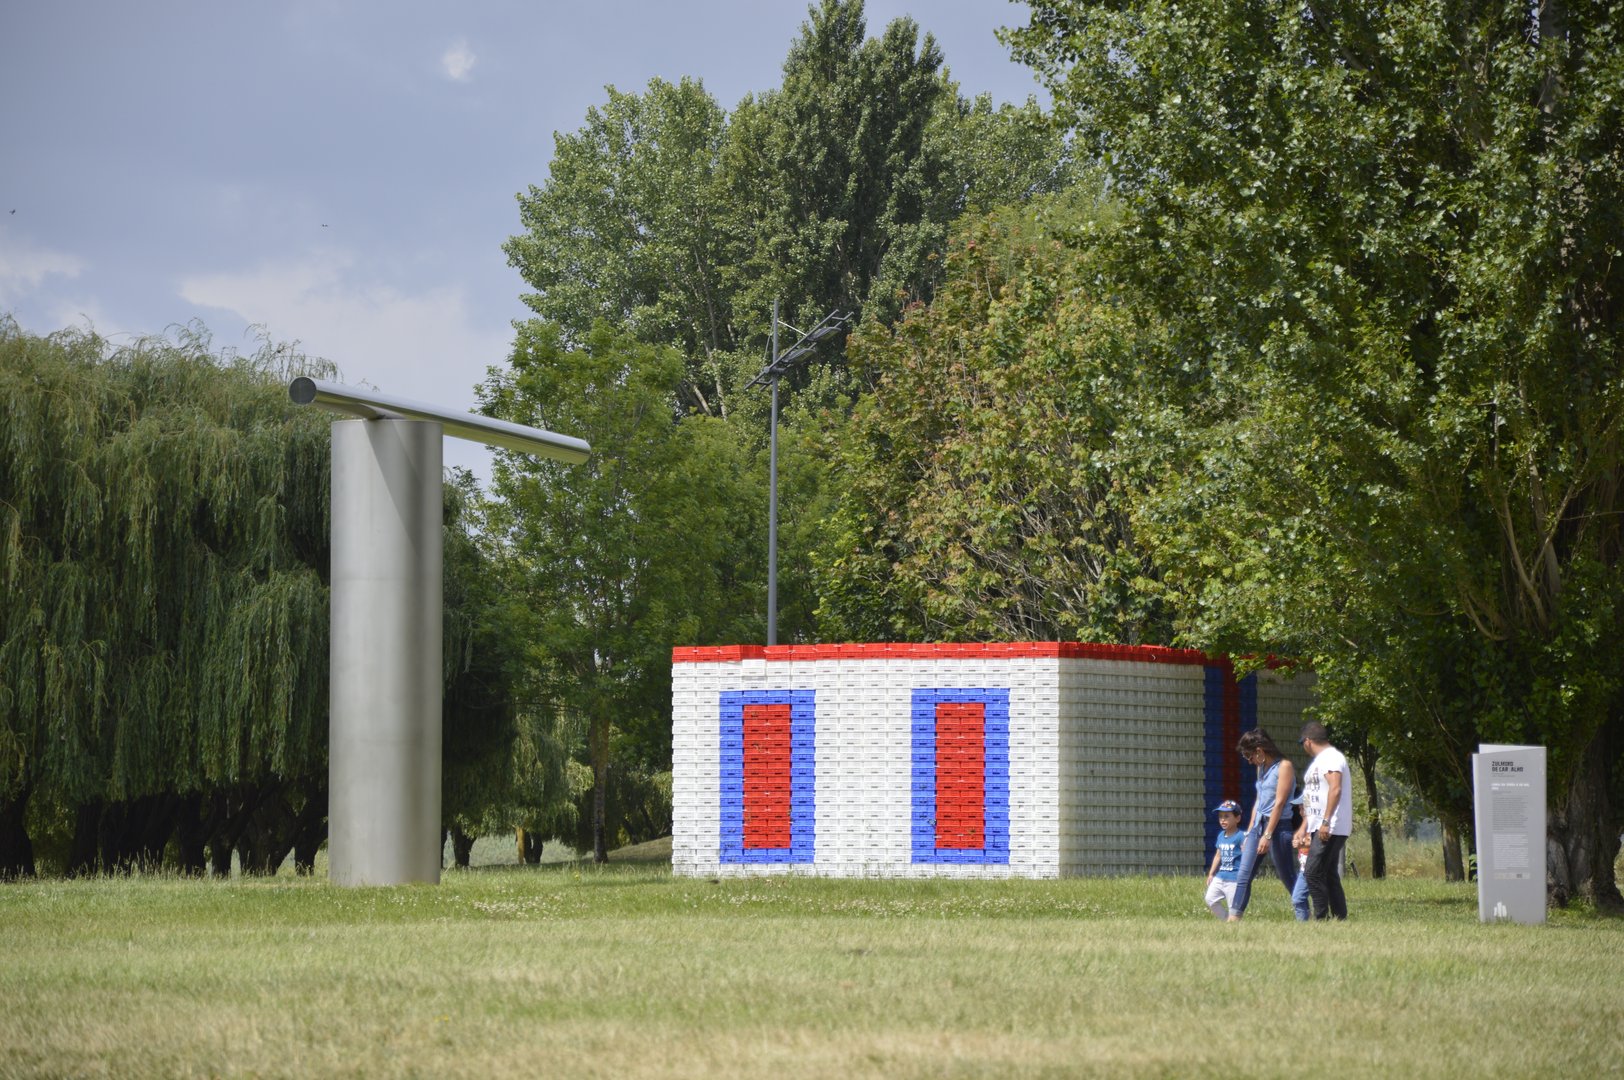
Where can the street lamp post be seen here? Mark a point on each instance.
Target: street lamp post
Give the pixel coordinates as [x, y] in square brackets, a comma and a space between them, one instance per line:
[776, 369]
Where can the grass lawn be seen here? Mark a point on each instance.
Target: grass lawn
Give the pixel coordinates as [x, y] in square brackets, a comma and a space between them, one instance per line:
[571, 970]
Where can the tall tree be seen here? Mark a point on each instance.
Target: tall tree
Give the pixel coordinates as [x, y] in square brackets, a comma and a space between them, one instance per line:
[635, 550]
[163, 647]
[1384, 241]
[162, 518]
[507, 749]
[632, 228]
[669, 218]
[987, 476]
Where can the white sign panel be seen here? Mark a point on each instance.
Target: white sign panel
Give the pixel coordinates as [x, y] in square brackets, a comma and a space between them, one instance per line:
[1509, 786]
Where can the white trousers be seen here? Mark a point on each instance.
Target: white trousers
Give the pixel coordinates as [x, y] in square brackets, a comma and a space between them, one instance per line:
[1220, 895]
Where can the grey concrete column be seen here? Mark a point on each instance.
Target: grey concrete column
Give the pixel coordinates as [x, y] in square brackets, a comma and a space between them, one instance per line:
[387, 597]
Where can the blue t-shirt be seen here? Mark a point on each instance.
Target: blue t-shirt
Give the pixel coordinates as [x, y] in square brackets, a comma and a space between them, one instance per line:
[1229, 856]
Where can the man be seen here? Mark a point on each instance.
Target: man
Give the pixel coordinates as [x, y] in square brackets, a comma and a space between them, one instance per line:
[1327, 821]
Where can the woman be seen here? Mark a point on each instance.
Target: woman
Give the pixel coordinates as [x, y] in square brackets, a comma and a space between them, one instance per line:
[1269, 828]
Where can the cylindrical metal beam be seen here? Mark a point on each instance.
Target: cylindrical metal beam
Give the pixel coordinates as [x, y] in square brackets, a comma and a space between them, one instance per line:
[384, 751]
[368, 405]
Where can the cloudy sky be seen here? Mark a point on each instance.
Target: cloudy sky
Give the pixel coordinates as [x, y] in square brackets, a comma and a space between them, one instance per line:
[342, 174]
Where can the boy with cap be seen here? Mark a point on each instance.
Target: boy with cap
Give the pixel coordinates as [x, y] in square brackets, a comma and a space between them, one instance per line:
[1225, 870]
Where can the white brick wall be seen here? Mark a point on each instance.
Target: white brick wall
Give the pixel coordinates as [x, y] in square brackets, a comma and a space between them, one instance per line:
[1109, 770]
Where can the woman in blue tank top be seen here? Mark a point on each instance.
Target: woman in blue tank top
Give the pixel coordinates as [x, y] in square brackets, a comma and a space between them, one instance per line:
[1269, 829]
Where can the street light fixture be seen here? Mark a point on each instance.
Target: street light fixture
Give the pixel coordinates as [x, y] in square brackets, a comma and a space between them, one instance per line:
[776, 369]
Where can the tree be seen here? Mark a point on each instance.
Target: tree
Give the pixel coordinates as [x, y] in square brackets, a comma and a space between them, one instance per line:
[163, 648]
[669, 218]
[506, 748]
[986, 479]
[628, 554]
[632, 228]
[1384, 243]
[164, 641]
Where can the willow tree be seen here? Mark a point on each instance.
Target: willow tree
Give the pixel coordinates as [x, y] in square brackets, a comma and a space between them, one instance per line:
[162, 518]
[163, 648]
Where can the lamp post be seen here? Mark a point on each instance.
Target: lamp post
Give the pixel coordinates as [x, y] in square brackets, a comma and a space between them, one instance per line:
[776, 369]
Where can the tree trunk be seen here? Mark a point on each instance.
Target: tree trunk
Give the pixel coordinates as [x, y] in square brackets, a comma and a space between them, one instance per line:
[1582, 835]
[310, 833]
[1378, 848]
[462, 847]
[269, 837]
[233, 813]
[84, 856]
[150, 822]
[600, 787]
[190, 836]
[1454, 868]
[16, 849]
[530, 844]
[220, 856]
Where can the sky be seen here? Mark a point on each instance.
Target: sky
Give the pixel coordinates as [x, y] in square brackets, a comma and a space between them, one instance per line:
[343, 174]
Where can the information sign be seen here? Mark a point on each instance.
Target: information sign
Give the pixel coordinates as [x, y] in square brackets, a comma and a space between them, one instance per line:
[1509, 787]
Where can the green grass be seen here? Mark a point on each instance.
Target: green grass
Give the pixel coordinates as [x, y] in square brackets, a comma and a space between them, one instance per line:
[568, 970]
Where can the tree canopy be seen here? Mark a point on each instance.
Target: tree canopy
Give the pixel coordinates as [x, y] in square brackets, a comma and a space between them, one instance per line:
[1384, 245]
[616, 560]
[163, 648]
[987, 478]
[668, 217]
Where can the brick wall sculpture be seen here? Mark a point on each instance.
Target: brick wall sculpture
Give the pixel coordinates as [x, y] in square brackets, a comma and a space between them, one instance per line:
[1041, 759]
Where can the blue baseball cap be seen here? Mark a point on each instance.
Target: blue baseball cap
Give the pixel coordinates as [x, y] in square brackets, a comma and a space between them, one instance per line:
[1228, 806]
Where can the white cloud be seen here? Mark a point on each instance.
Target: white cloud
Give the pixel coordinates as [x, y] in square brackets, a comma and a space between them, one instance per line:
[23, 268]
[418, 344]
[458, 62]
[421, 345]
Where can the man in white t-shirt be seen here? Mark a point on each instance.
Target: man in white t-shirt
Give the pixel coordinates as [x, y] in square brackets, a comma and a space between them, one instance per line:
[1327, 820]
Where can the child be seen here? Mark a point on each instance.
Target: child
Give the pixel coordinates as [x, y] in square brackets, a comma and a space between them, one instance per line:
[1226, 860]
[1301, 841]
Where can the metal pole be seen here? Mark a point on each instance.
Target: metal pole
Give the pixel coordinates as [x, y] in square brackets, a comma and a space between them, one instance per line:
[772, 505]
[371, 405]
[384, 756]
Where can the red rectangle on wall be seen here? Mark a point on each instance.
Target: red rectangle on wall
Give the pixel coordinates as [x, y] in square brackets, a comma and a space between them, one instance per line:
[767, 776]
[961, 772]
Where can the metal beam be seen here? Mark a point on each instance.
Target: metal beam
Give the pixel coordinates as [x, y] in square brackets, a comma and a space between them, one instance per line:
[368, 405]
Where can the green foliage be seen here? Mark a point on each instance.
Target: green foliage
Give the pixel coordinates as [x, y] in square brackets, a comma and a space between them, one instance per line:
[1384, 245]
[655, 248]
[162, 515]
[988, 476]
[682, 224]
[163, 648]
[506, 748]
[620, 558]
[632, 228]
